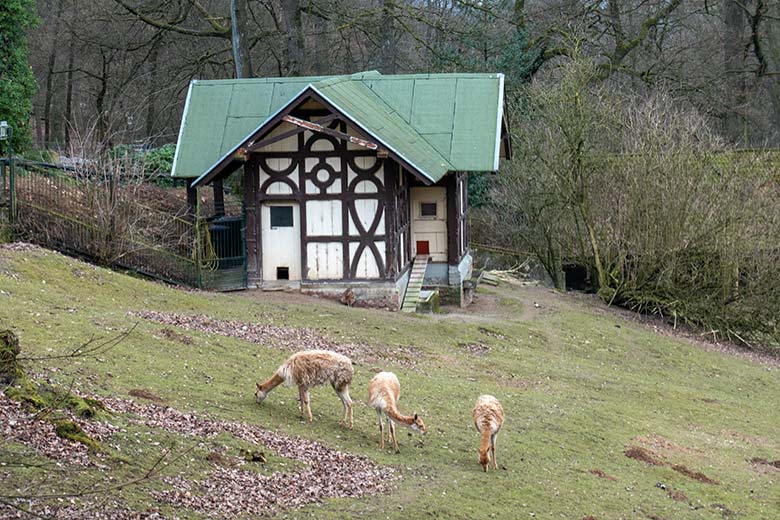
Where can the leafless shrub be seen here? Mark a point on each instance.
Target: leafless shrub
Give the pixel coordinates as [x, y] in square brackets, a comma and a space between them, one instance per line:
[642, 192]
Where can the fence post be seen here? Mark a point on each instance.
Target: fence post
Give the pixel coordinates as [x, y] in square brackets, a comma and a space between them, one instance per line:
[245, 281]
[198, 245]
[11, 192]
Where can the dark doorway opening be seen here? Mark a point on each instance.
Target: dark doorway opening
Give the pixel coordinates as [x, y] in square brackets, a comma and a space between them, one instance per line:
[282, 273]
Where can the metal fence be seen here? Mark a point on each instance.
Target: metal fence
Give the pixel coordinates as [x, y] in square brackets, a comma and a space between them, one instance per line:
[120, 220]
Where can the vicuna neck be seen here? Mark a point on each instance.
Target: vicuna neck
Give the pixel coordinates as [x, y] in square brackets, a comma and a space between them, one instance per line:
[272, 382]
[484, 442]
[395, 415]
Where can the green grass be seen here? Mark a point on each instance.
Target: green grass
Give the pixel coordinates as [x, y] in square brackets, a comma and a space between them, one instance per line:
[578, 386]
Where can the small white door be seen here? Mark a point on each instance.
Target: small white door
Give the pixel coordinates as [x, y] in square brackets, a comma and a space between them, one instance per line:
[281, 232]
[429, 222]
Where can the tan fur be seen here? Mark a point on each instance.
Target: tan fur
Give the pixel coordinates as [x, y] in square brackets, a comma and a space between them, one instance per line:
[384, 390]
[349, 298]
[488, 418]
[310, 368]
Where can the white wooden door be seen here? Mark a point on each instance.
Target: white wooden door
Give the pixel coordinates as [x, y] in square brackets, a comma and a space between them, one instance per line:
[281, 232]
[429, 222]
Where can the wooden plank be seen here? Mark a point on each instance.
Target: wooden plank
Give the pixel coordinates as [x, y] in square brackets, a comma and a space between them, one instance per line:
[314, 127]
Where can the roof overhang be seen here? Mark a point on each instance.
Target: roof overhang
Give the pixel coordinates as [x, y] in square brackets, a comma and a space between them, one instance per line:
[236, 157]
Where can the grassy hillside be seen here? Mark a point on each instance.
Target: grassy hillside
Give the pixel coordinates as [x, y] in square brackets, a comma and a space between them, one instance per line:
[605, 418]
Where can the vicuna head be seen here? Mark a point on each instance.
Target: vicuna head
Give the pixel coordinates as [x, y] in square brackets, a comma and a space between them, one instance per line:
[260, 394]
[418, 425]
[484, 458]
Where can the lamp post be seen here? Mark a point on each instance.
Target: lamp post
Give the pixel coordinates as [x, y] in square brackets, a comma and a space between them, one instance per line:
[6, 134]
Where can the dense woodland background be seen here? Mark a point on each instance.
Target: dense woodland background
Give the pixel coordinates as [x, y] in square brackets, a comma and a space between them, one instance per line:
[121, 67]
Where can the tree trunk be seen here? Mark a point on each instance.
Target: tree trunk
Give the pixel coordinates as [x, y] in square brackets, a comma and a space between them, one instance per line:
[52, 61]
[238, 20]
[69, 91]
[100, 102]
[293, 27]
[321, 47]
[734, 23]
[151, 107]
[387, 55]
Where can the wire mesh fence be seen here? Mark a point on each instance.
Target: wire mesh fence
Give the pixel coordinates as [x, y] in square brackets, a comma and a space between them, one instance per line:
[118, 219]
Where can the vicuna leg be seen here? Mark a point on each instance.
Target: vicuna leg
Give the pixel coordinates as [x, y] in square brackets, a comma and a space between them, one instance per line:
[392, 433]
[346, 402]
[301, 401]
[493, 439]
[381, 430]
[308, 404]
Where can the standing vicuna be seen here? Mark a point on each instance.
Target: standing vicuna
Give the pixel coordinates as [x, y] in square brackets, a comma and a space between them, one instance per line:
[310, 368]
[488, 418]
[384, 390]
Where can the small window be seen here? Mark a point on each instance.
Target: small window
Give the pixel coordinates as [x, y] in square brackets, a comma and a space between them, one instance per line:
[427, 209]
[281, 216]
[282, 273]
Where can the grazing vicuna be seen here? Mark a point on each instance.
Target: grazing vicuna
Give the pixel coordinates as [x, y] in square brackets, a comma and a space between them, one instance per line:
[488, 418]
[384, 390]
[310, 368]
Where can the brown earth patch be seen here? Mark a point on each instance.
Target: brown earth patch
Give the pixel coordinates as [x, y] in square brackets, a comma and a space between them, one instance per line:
[748, 439]
[479, 349]
[589, 517]
[284, 338]
[601, 474]
[656, 442]
[695, 475]
[679, 496]
[643, 455]
[491, 333]
[649, 457]
[222, 459]
[176, 336]
[764, 462]
[146, 394]
[229, 492]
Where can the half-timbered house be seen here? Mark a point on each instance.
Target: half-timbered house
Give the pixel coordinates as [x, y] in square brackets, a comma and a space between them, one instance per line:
[350, 182]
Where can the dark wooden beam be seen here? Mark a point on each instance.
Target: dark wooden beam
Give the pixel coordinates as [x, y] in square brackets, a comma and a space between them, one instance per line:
[265, 142]
[219, 198]
[315, 127]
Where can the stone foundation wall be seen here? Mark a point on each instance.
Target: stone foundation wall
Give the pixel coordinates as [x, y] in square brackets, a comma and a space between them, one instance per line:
[382, 295]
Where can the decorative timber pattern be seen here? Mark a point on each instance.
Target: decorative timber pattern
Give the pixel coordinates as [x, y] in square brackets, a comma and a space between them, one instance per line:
[346, 194]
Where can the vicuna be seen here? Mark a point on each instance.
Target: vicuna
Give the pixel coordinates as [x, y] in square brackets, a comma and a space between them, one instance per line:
[488, 418]
[310, 368]
[384, 390]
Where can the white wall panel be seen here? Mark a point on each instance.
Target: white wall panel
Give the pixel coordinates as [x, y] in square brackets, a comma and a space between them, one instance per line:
[285, 145]
[366, 267]
[323, 218]
[366, 210]
[326, 260]
[365, 187]
[322, 145]
[278, 188]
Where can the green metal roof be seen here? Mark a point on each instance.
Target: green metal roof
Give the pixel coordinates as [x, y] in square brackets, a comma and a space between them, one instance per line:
[435, 122]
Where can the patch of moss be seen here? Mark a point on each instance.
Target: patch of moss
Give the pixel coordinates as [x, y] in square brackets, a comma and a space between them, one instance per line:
[83, 407]
[9, 349]
[70, 430]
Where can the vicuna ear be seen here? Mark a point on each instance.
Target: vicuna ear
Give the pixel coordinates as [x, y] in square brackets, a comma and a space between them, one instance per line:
[415, 417]
[258, 386]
